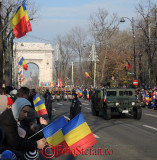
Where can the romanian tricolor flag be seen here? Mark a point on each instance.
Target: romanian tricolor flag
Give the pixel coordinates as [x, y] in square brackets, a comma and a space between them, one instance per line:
[19, 22]
[20, 74]
[128, 66]
[78, 135]
[39, 105]
[54, 136]
[87, 94]
[79, 93]
[21, 79]
[105, 97]
[23, 64]
[87, 75]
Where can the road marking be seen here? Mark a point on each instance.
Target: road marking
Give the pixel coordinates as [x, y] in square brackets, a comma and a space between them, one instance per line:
[151, 115]
[59, 104]
[87, 108]
[150, 127]
[66, 117]
[96, 136]
[53, 109]
[86, 104]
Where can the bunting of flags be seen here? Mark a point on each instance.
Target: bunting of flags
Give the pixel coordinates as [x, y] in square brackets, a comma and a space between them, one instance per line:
[19, 22]
[78, 135]
[87, 75]
[54, 136]
[23, 64]
[39, 105]
[128, 66]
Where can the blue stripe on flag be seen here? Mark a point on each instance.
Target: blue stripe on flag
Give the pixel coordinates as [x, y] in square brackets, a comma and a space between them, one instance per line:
[21, 61]
[55, 126]
[75, 122]
[35, 97]
[39, 103]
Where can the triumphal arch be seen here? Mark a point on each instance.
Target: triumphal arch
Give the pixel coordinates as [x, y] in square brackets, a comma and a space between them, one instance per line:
[40, 54]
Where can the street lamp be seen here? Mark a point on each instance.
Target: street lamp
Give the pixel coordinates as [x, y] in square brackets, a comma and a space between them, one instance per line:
[133, 31]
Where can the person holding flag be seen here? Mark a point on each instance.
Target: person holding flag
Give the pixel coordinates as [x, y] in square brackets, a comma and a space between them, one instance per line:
[16, 137]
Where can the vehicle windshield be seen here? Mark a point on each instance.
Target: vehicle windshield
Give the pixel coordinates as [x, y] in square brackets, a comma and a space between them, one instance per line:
[125, 93]
[111, 93]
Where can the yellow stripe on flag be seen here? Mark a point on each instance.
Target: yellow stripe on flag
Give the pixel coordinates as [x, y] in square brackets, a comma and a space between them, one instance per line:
[56, 139]
[40, 107]
[36, 100]
[16, 17]
[77, 134]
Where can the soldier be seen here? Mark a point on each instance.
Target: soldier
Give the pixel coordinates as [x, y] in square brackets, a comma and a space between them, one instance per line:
[113, 82]
[75, 108]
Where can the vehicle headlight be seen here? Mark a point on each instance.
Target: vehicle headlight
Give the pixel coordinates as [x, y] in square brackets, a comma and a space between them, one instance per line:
[133, 103]
[117, 103]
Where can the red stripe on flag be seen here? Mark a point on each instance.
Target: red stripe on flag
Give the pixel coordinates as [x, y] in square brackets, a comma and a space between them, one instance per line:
[60, 149]
[83, 144]
[42, 112]
[22, 28]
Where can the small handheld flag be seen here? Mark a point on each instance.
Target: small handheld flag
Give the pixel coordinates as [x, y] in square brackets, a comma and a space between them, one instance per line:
[54, 136]
[87, 94]
[19, 22]
[23, 64]
[39, 105]
[78, 135]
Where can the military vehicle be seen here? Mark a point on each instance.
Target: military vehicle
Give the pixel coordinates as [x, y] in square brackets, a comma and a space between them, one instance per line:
[119, 100]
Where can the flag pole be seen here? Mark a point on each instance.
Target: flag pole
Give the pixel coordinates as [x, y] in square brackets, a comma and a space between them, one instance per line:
[35, 134]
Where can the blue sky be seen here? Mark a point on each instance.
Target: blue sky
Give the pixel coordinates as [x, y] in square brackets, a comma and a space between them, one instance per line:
[60, 16]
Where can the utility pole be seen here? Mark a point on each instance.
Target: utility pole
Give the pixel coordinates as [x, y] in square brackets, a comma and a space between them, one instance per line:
[57, 59]
[1, 47]
[94, 58]
[72, 76]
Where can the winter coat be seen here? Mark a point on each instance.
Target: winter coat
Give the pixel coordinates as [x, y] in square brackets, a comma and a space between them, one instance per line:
[12, 140]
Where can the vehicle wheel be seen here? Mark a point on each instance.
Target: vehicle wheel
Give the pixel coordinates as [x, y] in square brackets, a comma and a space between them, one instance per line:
[95, 113]
[138, 113]
[107, 114]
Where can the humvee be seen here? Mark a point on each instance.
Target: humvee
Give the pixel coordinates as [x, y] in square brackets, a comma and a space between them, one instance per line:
[120, 100]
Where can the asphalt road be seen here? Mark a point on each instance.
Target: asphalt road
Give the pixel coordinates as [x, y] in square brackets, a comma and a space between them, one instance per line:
[118, 138]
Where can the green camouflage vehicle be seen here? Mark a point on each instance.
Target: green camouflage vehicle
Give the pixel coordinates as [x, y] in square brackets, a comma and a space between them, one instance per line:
[120, 100]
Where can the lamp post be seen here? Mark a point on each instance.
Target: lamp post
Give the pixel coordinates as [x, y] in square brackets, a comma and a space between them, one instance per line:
[133, 31]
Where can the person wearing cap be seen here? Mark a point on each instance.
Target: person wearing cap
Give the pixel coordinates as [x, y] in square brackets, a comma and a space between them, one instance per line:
[75, 108]
[16, 138]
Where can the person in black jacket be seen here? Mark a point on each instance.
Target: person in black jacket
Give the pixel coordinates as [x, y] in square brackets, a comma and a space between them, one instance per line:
[16, 138]
[75, 108]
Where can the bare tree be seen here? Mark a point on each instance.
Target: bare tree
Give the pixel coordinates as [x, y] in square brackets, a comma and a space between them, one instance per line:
[103, 27]
[147, 23]
[77, 40]
[62, 64]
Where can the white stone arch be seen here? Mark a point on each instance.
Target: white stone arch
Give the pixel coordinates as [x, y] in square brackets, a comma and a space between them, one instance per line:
[40, 54]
